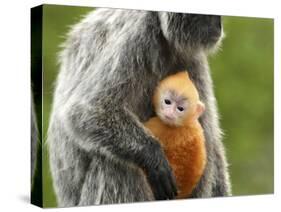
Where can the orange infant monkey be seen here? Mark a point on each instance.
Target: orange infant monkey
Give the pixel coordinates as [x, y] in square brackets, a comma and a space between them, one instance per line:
[176, 126]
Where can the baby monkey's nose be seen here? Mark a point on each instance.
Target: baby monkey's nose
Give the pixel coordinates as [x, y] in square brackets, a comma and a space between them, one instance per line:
[169, 113]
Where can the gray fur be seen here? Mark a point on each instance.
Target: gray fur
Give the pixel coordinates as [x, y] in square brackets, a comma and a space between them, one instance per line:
[110, 65]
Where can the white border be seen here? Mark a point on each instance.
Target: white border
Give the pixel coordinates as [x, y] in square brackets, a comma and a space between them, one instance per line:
[15, 104]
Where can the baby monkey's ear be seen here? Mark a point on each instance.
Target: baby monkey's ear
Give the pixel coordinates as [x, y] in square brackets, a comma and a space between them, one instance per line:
[200, 108]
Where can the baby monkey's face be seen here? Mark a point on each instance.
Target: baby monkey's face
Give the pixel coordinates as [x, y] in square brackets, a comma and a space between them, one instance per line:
[172, 108]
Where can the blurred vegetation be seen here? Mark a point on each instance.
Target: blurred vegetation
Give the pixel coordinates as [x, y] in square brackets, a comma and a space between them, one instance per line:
[243, 77]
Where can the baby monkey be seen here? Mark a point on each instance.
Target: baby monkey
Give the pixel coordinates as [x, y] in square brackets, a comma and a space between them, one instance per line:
[176, 126]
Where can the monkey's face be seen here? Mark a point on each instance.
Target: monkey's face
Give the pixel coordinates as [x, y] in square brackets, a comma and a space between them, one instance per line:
[204, 30]
[177, 109]
[192, 31]
[172, 108]
[210, 29]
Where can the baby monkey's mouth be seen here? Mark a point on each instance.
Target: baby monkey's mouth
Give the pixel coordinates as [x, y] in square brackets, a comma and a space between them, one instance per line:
[169, 120]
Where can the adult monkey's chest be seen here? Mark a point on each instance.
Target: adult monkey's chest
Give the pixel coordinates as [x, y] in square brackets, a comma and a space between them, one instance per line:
[141, 98]
[141, 104]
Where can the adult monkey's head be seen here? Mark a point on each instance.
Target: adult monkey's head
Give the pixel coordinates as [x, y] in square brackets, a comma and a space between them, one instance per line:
[191, 32]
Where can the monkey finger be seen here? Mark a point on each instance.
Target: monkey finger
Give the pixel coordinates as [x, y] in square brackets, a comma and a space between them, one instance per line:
[158, 191]
[170, 180]
[173, 184]
[167, 186]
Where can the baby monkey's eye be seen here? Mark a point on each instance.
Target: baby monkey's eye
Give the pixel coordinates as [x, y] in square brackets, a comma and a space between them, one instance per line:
[180, 108]
[167, 101]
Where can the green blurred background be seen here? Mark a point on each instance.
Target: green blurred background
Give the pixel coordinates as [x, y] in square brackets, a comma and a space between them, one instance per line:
[243, 77]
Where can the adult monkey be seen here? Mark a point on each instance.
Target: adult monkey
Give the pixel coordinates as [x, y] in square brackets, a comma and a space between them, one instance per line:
[110, 65]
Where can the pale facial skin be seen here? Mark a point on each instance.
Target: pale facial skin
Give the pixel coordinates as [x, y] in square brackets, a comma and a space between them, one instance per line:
[173, 108]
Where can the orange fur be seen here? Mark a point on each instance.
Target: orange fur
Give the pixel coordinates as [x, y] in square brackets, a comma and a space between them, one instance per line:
[184, 146]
